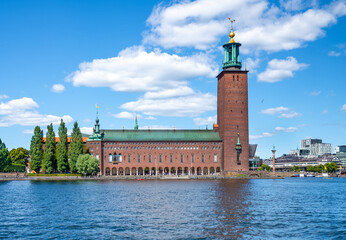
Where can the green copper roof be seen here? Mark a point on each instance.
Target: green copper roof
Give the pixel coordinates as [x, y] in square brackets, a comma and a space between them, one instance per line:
[160, 135]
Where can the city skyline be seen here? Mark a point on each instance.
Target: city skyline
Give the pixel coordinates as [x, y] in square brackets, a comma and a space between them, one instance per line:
[161, 61]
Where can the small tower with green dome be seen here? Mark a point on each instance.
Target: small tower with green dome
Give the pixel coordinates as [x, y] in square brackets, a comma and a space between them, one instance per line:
[231, 52]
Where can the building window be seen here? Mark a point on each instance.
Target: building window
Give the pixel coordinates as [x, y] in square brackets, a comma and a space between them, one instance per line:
[160, 157]
[182, 158]
[202, 157]
[171, 158]
[192, 158]
[139, 158]
[129, 158]
[120, 158]
[150, 158]
[110, 158]
[215, 157]
[91, 149]
[97, 157]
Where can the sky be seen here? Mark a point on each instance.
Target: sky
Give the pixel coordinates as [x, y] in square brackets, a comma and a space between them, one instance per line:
[160, 59]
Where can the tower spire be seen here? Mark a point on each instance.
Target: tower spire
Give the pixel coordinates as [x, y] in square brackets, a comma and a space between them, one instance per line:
[231, 34]
[136, 123]
[97, 125]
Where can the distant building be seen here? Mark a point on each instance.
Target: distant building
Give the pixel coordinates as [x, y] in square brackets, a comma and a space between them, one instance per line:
[340, 149]
[340, 153]
[312, 148]
[306, 143]
[287, 161]
[252, 150]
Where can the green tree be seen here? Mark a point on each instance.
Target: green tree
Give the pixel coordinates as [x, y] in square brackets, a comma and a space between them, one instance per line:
[310, 169]
[49, 156]
[62, 148]
[5, 160]
[317, 168]
[76, 147]
[36, 151]
[295, 169]
[331, 167]
[87, 165]
[264, 167]
[19, 156]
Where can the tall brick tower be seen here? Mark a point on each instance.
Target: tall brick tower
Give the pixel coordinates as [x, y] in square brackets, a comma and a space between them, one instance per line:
[232, 109]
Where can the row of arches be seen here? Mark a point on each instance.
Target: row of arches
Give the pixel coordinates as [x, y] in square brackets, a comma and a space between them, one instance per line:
[161, 171]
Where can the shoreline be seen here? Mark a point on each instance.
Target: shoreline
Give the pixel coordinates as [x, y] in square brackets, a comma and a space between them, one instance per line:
[138, 178]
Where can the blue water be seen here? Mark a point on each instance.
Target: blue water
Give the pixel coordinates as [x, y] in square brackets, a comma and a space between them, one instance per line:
[292, 208]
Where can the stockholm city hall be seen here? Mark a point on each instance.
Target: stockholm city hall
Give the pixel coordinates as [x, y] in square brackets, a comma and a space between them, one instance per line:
[223, 149]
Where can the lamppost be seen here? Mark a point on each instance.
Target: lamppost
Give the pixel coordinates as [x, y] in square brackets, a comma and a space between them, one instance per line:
[273, 151]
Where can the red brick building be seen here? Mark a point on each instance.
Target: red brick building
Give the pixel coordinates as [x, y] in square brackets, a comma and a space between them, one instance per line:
[175, 152]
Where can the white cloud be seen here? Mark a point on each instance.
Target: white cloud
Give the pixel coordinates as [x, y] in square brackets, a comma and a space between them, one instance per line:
[280, 69]
[273, 111]
[334, 54]
[343, 108]
[260, 25]
[251, 64]
[28, 131]
[338, 8]
[290, 115]
[324, 112]
[265, 134]
[289, 129]
[3, 96]
[205, 121]
[174, 92]
[184, 106]
[282, 112]
[23, 112]
[86, 130]
[17, 105]
[273, 133]
[292, 5]
[58, 88]
[150, 118]
[315, 93]
[135, 69]
[127, 115]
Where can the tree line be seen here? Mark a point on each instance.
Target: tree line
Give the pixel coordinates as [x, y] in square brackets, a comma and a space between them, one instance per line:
[57, 157]
[13, 161]
[328, 167]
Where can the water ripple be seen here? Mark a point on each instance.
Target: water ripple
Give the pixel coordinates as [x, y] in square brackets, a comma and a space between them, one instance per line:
[216, 209]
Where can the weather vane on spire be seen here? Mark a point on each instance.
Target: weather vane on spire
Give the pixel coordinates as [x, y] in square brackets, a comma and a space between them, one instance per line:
[231, 35]
[232, 21]
[97, 110]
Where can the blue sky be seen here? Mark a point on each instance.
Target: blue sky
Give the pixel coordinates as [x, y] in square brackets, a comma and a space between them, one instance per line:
[160, 60]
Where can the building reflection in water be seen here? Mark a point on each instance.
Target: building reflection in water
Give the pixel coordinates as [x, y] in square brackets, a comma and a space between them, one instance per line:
[231, 217]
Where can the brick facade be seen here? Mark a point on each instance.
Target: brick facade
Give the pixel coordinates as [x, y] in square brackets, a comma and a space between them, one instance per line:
[232, 116]
[171, 158]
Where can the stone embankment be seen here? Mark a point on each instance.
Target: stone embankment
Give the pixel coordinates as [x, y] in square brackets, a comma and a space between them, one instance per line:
[227, 175]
